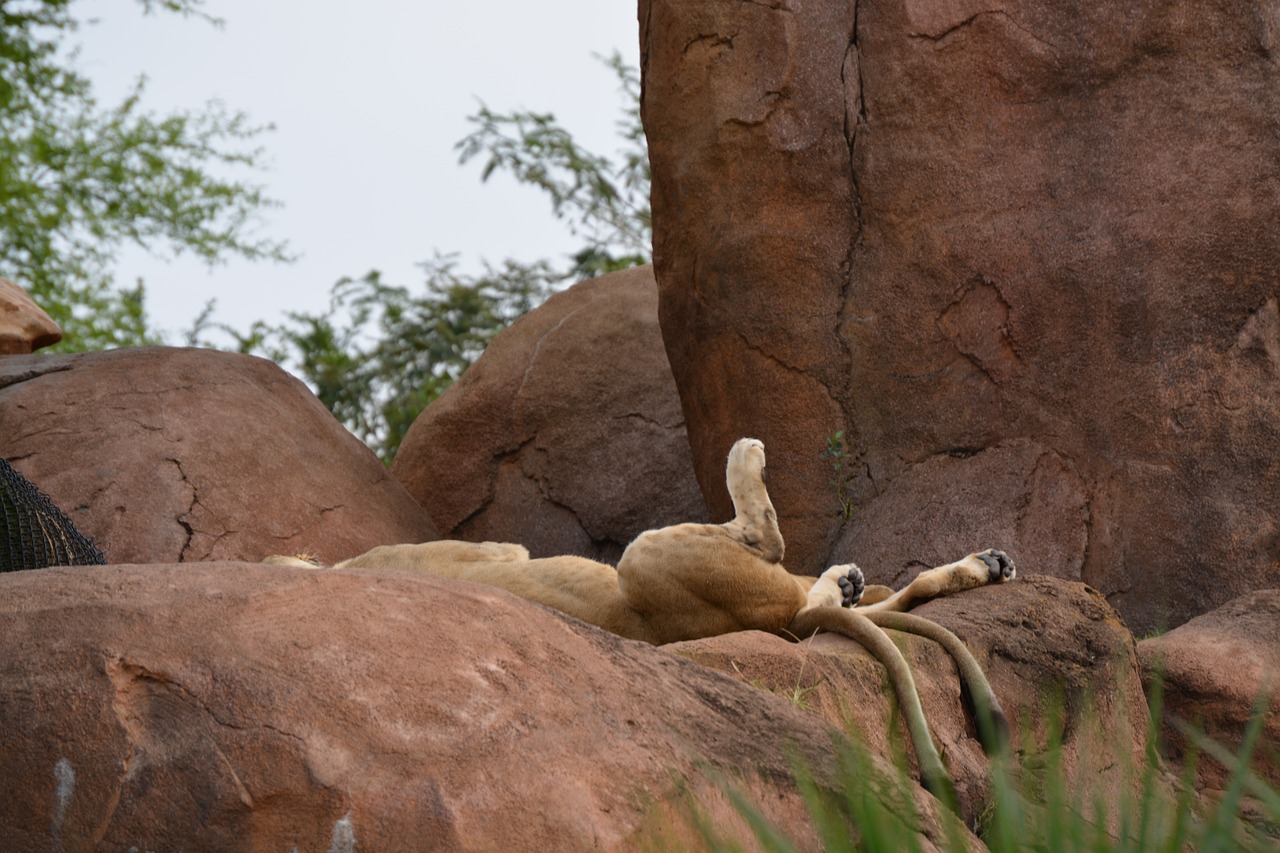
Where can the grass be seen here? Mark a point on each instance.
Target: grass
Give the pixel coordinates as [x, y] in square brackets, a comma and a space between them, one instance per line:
[796, 694]
[872, 805]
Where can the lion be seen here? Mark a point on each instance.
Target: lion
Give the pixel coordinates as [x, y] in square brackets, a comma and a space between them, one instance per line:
[691, 581]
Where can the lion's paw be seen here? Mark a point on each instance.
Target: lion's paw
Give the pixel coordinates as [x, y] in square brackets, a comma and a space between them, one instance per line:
[1000, 566]
[851, 583]
[747, 453]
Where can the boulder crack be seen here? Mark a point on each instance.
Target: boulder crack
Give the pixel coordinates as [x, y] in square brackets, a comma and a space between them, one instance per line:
[537, 348]
[942, 36]
[710, 42]
[791, 368]
[184, 520]
[855, 117]
[34, 373]
[643, 418]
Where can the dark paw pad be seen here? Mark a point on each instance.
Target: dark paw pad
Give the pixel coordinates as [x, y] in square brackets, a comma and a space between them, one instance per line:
[852, 586]
[999, 565]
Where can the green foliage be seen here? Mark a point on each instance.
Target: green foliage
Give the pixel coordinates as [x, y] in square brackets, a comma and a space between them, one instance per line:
[871, 806]
[603, 200]
[380, 353]
[836, 452]
[78, 181]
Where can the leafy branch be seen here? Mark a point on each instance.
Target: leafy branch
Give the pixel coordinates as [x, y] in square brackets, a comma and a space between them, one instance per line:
[78, 181]
[604, 201]
[380, 352]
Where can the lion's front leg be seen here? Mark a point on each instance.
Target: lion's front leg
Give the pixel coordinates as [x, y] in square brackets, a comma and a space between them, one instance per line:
[985, 567]
[838, 586]
[755, 521]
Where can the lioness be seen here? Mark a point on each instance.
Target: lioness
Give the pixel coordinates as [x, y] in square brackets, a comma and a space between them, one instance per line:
[690, 581]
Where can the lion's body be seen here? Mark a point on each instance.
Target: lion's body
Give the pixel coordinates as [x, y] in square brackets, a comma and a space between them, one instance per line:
[676, 583]
[690, 581]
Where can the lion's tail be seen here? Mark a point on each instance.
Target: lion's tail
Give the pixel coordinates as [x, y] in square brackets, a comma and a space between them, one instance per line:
[856, 626]
[975, 689]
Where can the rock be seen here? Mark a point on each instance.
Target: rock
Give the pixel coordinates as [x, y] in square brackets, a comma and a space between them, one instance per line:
[1050, 649]
[175, 455]
[233, 706]
[939, 229]
[1213, 671]
[566, 435]
[24, 327]
[1017, 492]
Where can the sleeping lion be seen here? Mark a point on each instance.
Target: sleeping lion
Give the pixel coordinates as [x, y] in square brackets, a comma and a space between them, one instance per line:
[685, 581]
[690, 581]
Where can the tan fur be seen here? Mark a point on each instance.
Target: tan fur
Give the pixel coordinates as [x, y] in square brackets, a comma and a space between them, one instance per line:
[674, 583]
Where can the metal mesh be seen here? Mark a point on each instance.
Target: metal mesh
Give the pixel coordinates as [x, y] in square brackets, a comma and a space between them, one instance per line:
[33, 532]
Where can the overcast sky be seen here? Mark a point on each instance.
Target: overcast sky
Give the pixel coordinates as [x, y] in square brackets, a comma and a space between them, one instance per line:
[368, 100]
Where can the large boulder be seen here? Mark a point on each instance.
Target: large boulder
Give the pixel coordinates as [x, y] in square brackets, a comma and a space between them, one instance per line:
[176, 455]
[566, 435]
[1056, 655]
[938, 229]
[242, 707]
[1212, 673]
[24, 327]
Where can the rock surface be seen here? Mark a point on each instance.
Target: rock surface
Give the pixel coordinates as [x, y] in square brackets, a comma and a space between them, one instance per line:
[942, 228]
[232, 706]
[566, 435]
[24, 326]
[1214, 669]
[1018, 494]
[176, 455]
[1040, 640]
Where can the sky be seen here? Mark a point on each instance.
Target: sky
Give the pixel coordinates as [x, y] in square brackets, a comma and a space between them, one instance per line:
[368, 101]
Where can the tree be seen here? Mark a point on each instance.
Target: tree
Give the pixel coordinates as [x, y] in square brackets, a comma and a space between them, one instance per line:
[603, 200]
[380, 353]
[78, 181]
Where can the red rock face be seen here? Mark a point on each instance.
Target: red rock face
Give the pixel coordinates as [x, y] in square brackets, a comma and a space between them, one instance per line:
[1214, 670]
[566, 435]
[941, 229]
[169, 455]
[240, 707]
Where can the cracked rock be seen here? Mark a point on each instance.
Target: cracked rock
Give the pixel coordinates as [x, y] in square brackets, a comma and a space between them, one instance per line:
[168, 455]
[267, 709]
[963, 226]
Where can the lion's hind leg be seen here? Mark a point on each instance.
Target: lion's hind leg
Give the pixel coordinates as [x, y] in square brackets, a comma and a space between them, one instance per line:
[985, 567]
[698, 580]
[755, 522]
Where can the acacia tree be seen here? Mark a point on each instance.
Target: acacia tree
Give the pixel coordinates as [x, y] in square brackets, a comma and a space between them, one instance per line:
[380, 353]
[78, 181]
